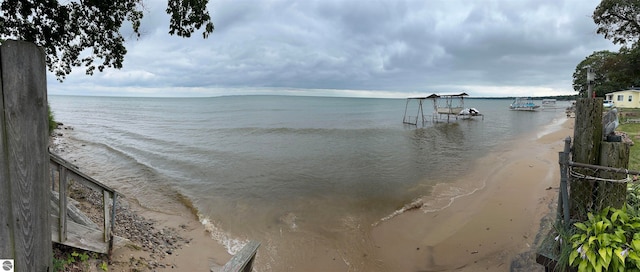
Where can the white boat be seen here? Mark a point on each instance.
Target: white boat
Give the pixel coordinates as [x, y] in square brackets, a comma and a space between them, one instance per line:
[549, 103]
[470, 112]
[523, 104]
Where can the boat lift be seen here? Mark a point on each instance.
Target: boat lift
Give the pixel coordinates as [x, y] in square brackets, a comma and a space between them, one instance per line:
[445, 107]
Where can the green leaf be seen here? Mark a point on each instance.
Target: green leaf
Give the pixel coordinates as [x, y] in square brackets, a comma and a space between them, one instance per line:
[583, 265]
[572, 257]
[618, 252]
[599, 227]
[606, 258]
[615, 215]
[581, 226]
[575, 238]
[592, 258]
[598, 267]
[635, 244]
[606, 241]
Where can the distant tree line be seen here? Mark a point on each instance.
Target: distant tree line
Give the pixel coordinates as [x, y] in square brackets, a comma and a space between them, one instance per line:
[618, 21]
[556, 97]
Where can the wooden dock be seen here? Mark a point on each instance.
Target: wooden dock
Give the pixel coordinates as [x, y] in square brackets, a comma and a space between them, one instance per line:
[446, 108]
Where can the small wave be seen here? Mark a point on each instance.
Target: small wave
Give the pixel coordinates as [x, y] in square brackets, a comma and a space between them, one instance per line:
[187, 202]
[438, 202]
[553, 126]
[415, 204]
[256, 131]
[233, 245]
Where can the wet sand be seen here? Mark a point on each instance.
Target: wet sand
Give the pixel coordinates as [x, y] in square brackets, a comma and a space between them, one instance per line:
[487, 229]
[200, 254]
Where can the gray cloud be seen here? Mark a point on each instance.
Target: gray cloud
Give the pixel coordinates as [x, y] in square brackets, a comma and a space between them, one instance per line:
[374, 48]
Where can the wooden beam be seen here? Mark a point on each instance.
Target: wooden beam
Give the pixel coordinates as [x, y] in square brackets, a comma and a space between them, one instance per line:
[611, 193]
[586, 149]
[80, 236]
[79, 176]
[24, 135]
[62, 200]
[243, 260]
[107, 218]
[73, 212]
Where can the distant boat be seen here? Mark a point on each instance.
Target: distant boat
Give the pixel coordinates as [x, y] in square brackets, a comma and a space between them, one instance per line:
[470, 112]
[546, 103]
[523, 104]
[550, 103]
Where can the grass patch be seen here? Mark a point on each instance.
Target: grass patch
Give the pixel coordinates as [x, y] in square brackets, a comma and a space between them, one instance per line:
[51, 120]
[633, 130]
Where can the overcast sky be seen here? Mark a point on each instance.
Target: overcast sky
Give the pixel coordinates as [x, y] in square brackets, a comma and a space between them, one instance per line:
[386, 48]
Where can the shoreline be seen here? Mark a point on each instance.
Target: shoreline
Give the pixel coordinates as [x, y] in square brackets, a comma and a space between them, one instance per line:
[164, 240]
[464, 235]
[490, 227]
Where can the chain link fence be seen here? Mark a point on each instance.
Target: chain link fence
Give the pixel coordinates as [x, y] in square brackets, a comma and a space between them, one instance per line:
[584, 189]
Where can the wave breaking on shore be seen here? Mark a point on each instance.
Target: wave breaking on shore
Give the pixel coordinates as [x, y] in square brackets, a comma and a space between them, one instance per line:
[442, 197]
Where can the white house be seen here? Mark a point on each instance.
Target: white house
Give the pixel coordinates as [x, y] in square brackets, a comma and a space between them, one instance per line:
[625, 99]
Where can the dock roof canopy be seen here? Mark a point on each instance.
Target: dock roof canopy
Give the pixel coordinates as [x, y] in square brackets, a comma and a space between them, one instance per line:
[433, 96]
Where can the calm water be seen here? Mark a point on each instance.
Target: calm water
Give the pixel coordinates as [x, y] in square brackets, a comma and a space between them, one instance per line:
[292, 172]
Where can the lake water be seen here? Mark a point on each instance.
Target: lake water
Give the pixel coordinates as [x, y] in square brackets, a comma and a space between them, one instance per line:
[299, 174]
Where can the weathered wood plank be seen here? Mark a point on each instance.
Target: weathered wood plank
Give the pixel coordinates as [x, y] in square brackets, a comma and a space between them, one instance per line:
[78, 176]
[73, 212]
[586, 149]
[79, 236]
[107, 217]
[243, 260]
[613, 194]
[62, 200]
[6, 237]
[25, 163]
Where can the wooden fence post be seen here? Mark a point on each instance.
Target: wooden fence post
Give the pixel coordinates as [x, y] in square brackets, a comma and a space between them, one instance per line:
[587, 138]
[25, 233]
[613, 193]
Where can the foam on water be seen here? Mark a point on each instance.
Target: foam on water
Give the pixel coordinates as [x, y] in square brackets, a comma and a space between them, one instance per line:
[232, 244]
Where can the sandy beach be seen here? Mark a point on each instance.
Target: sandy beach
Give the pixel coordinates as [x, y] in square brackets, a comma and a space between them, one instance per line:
[483, 230]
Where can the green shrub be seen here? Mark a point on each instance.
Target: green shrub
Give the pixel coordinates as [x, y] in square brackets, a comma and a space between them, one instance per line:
[52, 123]
[607, 241]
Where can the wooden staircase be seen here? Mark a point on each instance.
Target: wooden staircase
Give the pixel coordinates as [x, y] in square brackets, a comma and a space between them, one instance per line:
[69, 225]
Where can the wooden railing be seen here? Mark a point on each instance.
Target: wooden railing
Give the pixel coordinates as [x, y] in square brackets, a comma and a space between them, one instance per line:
[68, 171]
[243, 260]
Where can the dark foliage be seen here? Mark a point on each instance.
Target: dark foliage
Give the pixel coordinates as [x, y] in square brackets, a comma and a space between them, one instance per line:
[79, 33]
[618, 20]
